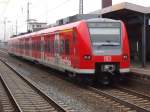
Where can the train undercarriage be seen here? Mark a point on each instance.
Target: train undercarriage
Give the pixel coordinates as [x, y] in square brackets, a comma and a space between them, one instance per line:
[105, 74]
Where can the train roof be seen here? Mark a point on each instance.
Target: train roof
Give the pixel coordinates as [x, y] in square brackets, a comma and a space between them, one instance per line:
[102, 20]
[62, 27]
[49, 30]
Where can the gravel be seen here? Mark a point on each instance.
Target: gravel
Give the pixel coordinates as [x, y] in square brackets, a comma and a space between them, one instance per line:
[77, 98]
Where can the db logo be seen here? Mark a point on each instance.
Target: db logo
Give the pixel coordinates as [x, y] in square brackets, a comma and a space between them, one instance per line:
[107, 58]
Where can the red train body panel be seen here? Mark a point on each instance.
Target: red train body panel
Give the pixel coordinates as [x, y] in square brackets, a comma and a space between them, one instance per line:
[80, 47]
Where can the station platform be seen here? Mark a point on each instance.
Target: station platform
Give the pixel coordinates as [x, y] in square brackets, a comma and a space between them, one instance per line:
[138, 69]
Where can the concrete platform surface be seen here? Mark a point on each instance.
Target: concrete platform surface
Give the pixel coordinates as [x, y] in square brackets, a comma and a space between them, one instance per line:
[138, 69]
[142, 71]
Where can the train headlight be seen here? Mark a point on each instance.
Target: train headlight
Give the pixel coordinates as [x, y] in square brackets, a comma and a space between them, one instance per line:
[125, 57]
[87, 57]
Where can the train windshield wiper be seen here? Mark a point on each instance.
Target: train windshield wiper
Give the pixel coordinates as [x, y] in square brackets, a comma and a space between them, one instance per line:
[106, 44]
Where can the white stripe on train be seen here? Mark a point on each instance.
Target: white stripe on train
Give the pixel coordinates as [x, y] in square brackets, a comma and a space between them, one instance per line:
[63, 67]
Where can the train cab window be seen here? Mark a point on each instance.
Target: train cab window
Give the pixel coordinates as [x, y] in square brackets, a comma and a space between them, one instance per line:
[67, 49]
[105, 36]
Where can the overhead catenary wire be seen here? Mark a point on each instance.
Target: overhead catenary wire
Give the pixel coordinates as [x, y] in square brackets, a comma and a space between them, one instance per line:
[58, 6]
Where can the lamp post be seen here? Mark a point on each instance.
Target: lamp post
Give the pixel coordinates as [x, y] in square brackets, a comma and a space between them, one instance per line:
[4, 29]
[81, 7]
[28, 15]
[16, 27]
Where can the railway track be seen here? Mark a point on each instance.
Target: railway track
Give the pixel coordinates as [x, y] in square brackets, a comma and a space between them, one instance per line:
[129, 98]
[4, 51]
[25, 95]
[5, 100]
[116, 107]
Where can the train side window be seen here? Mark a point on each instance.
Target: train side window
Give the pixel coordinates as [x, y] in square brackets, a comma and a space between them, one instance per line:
[56, 46]
[36, 46]
[26, 45]
[52, 46]
[67, 49]
[29, 46]
[62, 46]
[45, 46]
[48, 45]
[33, 45]
[39, 45]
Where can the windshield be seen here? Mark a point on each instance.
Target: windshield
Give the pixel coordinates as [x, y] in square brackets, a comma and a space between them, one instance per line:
[105, 40]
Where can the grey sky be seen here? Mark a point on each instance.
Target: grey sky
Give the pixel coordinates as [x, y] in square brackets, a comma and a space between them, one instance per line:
[46, 11]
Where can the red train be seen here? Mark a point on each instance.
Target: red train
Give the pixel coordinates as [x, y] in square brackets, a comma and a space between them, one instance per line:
[95, 48]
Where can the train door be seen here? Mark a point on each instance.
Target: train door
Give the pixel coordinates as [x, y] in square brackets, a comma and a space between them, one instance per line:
[74, 58]
[56, 48]
[46, 48]
[71, 49]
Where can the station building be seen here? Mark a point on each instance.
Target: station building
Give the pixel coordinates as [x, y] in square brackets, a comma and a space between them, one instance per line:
[36, 26]
[137, 21]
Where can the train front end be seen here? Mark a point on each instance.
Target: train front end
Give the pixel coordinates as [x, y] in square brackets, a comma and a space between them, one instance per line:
[110, 49]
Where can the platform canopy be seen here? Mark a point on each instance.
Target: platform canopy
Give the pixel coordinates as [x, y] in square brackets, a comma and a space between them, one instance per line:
[137, 20]
[122, 6]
